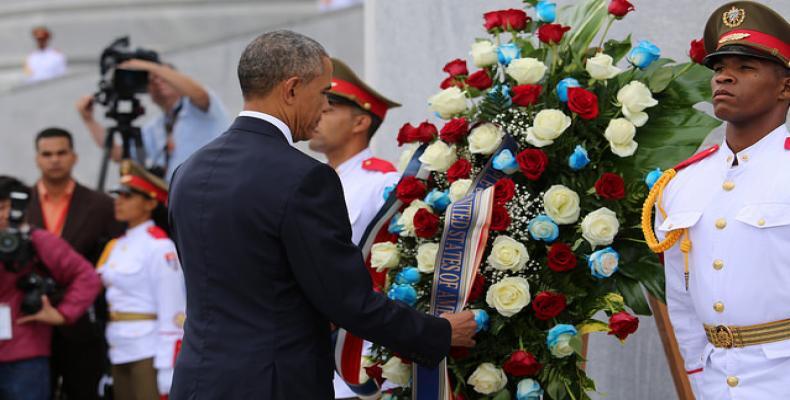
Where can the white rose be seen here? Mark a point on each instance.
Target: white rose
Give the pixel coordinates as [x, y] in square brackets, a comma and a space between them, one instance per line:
[526, 71]
[395, 371]
[406, 219]
[563, 347]
[459, 189]
[485, 139]
[620, 134]
[448, 102]
[634, 98]
[406, 156]
[384, 255]
[548, 125]
[600, 67]
[561, 204]
[426, 257]
[483, 53]
[509, 295]
[363, 375]
[438, 156]
[487, 379]
[600, 227]
[508, 255]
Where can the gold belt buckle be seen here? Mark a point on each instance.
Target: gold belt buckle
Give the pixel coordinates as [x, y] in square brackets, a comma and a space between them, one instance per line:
[723, 336]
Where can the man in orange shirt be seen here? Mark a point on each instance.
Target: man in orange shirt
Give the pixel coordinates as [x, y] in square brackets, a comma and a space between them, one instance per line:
[85, 219]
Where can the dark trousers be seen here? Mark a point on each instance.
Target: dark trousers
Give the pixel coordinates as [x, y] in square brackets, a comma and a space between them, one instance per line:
[25, 379]
[135, 381]
[79, 359]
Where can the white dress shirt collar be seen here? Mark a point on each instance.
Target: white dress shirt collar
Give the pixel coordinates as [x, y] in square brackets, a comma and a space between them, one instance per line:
[286, 131]
[774, 139]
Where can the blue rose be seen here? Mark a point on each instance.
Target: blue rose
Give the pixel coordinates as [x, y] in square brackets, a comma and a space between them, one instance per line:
[508, 52]
[652, 177]
[562, 88]
[578, 158]
[438, 200]
[505, 162]
[482, 320]
[558, 340]
[408, 276]
[395, 228]
[603, 263]
[546, 11]
[404, 293]
[543, 228]
[388, 191]
[504, 90]
[528, 389]
[643, 54]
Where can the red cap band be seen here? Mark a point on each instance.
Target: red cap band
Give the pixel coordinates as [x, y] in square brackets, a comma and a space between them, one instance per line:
[364, 99]
[135, 182]
[766, 42]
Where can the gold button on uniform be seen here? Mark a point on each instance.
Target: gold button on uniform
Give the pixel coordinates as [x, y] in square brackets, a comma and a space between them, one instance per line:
[732, 381]
[761, 222]
[718, 264]
[745, 157]
[718, 307]
[721, 223]
[728, 185]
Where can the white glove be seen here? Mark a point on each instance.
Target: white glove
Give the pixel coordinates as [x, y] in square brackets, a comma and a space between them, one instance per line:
[164, 378]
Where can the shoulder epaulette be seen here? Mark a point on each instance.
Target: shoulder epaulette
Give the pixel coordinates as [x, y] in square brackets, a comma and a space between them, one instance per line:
[787, 144]
[157, 232]
[378, 165]
[696, 157]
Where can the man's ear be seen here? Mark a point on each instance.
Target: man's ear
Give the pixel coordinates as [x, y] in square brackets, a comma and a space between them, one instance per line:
[785, 94]
[289, 89]
[362, 123]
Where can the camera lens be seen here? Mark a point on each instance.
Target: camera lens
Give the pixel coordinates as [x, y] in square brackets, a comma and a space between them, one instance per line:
[9, 242]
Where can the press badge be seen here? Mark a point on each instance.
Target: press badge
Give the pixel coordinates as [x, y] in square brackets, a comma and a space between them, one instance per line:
[5, 322]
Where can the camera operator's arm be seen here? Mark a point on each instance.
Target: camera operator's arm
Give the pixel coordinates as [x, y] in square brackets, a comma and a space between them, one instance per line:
[68, 269]
[85, 108]
[185, 85]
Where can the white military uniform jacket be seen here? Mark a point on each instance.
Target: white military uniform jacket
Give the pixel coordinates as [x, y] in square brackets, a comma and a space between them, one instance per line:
[364, 192]
[45, 64]
[142, 274]
[739, 225]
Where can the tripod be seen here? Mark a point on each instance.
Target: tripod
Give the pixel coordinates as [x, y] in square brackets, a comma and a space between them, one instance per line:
[130, 135]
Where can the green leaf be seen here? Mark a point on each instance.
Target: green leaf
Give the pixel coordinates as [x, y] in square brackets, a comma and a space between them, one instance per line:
[617, 49]
[591, 326]
[576, 344]
[649, 273]
[585, 25]
[660, 79]
[690, 88]
[555, 389]
[633, 295]
[503, 394]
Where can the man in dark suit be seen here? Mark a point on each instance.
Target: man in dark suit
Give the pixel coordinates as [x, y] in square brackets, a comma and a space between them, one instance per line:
[84, 218]
[264, 239]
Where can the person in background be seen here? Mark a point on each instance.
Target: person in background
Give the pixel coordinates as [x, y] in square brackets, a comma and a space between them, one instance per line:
[44, 62]
[83, 218]
[145, 290]
[191, 116]
[25, 340]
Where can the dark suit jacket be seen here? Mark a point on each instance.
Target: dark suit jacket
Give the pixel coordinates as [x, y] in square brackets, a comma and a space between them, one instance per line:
[90, 224]
[264, 239]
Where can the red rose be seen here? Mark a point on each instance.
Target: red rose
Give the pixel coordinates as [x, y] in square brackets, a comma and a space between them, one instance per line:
[454, 130]
[522, 363]
[406, 134]
[459, 170]
[492, 20]
[500, 219]
[525, 95]
[426, 132]
[374, 372]
[583, 102]
[504, 189]
[619, 8]
[552, 33]
[623, 324]
[514, 19]
[426, 223]
[532, 163]
[450, 81]
[480, 80]
[456, 67]
[697, 51]
[410, 189]
[610, 186]
[459, 353]
[548, 305]
[561, 258]
[478, 288]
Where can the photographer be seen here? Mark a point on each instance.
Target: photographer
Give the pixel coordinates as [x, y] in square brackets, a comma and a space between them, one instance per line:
[25, 337]
[191, 117]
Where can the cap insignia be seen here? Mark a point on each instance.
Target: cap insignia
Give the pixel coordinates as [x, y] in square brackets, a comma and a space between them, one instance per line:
[734, 17]
[733, 37]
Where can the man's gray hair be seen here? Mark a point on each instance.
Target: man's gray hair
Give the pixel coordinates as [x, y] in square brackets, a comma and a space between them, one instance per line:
[276, 56]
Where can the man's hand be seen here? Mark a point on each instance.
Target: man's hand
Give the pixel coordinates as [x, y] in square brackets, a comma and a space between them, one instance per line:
[48, 315]
[85, 108]
[463, 326]
[139, 65]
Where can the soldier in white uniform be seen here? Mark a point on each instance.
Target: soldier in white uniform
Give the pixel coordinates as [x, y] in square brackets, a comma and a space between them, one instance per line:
[145, 291]
[724, 218]
[44, 62]
[354, 114]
